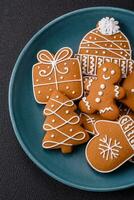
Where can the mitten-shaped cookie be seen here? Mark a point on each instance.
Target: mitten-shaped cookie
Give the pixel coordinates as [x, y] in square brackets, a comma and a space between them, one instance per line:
[103, 93]
[62, 124]
[128, 85]
[88, 121]
[112, 146]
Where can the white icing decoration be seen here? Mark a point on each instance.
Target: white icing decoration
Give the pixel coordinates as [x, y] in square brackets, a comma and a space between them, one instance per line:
[67, 111]
[106, 77]
[97, 100]
[105, 69]
[109, 150]
[112, 72]
[132, 90]
[73, 120]
[100, 93]
[39, 92]
[108, 26]
[73, 92]
[57, 96]
[116, 90]
[52, 136]
[47, 97]
[53, 120]
[107, 109]
[84, 99]
[102, 86]
[61, 77]
[67, 87]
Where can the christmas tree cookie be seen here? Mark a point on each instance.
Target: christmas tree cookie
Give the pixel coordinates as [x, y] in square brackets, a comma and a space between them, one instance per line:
[62, 124]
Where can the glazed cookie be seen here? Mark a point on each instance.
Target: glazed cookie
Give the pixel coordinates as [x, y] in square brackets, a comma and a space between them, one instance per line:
[128, 85]
[57, 72]
[88, 121]
[62, 124]
[105, 43]
[103, 93]
[107, 151]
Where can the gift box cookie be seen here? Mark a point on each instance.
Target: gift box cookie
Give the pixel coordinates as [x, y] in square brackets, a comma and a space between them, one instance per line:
[105, 43]
[57, 72]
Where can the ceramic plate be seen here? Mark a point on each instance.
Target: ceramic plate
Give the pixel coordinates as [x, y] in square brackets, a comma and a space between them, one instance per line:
[26, 114]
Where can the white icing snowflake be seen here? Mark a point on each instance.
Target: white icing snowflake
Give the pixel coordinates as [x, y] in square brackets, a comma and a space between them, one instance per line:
[108, 26]
[109, 149]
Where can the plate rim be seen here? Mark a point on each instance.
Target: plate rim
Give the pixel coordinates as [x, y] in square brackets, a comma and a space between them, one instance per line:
[11, 112]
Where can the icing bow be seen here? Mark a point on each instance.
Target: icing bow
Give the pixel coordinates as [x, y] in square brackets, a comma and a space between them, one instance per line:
[46, 57]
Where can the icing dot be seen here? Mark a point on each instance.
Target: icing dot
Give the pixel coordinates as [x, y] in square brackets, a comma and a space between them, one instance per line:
[97, 100]
[48, 66]
[50, 89]
[100, 93]
[52, 105]
[49, 78]
[108, 60]
[52, 136]
[39, 92]
[105, 45]
[37, 80]
[113, 72]
[102, 86]
[61, 77]
[53, 120]
[67, 111]
[67, 87]
[120, 36]
[121, 52]
[111, 45]
[73, 92]
[74, 76]
[114, 37]
[104, 69]
[90, 37]
[103, 52]
[126, 55]
[57, 96]
[96, 52]
[88, 45]
[95, 38]
[47, 97]
[124, 45]
[87, 51]
[73, 63]
[132, 90]
[70, 129]
[65, 63]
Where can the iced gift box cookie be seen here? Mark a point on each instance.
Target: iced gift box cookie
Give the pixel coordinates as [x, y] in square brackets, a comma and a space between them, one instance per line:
[112, 146]
[62, 124]
[103, 93]
[105, 43]
[128, 85]
[57, 72]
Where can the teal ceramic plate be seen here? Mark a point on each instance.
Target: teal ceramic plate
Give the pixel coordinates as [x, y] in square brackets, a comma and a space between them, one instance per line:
[26, 114]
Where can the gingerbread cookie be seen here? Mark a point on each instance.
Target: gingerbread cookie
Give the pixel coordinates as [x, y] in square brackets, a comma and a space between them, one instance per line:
[57, 72]
[103, 92]
[128, 85]
[105, 43]
[124, 110]
[112, 146]
[62, 124]
[88, 121]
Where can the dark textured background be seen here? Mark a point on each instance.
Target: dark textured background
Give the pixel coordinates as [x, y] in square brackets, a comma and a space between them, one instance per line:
[20, 179]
